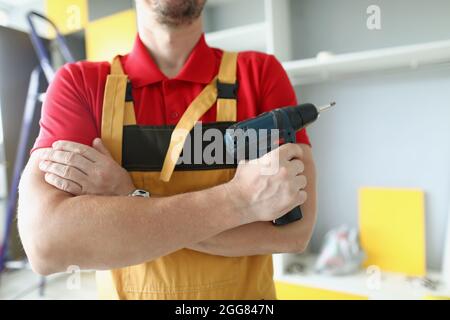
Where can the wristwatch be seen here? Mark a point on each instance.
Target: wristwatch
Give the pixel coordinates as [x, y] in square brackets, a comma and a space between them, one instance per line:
[140, 193]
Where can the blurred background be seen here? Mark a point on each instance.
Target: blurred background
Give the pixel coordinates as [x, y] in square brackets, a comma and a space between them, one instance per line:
[383, 155]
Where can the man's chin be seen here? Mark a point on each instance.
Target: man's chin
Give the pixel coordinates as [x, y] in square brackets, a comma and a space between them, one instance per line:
[178, 12]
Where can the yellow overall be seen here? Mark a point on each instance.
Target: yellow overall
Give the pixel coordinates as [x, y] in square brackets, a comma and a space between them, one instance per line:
[185, 274]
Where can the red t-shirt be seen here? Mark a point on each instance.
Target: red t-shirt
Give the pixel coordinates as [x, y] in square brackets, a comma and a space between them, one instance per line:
[73, 105]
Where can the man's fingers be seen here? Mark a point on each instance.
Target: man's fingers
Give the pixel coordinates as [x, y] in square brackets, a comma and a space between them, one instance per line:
[63, 171]
[284, 153]
[297, 166]
[303, 196]
[63, 184]
[98, 145]
[86, 151]
[290, 151]
[68, 158]
[300, 182]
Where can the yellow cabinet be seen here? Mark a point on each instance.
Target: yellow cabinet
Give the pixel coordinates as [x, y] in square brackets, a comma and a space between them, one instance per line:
[431, 297]
[110, 36]
[392, 229]
[286, 291]
[68, 15]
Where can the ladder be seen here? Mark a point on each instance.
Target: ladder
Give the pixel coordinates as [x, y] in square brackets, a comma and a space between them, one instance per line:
[33, 98]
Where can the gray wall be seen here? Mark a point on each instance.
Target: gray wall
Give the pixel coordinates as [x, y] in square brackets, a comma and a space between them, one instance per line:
[340, 25]
[389, 129]
[233, 14]
[101, 8]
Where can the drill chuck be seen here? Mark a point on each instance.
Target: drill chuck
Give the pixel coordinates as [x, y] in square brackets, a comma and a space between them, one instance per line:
[301, 116]
[304, 114]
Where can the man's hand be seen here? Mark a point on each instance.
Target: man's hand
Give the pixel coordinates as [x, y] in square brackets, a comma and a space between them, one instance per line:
[262, 237]
[263, 194]
[81, 170]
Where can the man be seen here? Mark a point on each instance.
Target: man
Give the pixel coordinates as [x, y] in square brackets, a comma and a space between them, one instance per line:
[189, 239]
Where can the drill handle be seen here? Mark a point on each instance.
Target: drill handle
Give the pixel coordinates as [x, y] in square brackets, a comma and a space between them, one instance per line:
[292, 216]
[296, 213]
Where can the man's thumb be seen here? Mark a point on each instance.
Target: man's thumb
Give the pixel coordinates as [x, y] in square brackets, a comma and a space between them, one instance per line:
[98, 145]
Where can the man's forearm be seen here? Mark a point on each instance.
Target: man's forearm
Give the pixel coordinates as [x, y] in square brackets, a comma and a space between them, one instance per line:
[111, 232]
[260, 238]
[252, 239]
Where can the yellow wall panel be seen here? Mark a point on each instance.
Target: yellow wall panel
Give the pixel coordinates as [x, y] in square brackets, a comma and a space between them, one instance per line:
[68, 15]
[287, 291]
[110, 36]
[392, 226]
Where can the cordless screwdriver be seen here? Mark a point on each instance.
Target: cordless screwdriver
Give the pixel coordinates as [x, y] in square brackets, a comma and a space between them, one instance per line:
[283, 123]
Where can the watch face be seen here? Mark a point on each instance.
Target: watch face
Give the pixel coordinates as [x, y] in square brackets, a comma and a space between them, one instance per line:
[140, 193]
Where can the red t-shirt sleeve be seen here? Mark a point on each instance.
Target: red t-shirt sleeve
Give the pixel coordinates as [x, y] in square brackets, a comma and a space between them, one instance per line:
[66, 112]
[277, 91]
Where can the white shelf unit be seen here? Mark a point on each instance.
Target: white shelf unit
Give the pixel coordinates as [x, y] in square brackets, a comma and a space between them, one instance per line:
[391, 286]
[315, 70]
[248, 37]
[271, 35]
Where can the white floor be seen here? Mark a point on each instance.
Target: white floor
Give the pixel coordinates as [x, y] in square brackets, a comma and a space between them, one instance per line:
[24, 285]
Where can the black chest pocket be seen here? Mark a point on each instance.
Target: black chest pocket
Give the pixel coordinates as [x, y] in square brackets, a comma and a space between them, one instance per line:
[144, 148]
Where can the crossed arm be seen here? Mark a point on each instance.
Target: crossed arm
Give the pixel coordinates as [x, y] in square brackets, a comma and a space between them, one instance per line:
[105, 232]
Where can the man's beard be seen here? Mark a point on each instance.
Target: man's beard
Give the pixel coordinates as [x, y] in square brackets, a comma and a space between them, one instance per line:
[177, 12]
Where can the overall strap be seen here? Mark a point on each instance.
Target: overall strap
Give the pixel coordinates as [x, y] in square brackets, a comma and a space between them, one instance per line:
[118, 110]
[227, 88]
[225, 82]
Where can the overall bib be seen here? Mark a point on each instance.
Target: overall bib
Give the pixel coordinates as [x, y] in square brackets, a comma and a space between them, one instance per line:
[150, 153]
